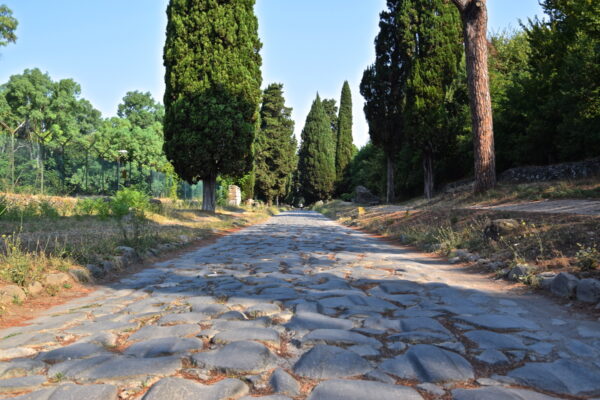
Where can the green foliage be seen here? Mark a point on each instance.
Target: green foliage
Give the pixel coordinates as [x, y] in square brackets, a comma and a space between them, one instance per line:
[276, 157]
[344, 146]
[588, 258]
[8, 26]
[127, 201]
[316, 165]
[98, 206]
[212, 91]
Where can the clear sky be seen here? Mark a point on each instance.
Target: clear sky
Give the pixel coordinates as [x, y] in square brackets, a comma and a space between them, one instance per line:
[113, 46]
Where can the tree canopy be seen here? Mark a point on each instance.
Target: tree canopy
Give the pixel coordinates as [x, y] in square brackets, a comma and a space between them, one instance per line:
[212, 90]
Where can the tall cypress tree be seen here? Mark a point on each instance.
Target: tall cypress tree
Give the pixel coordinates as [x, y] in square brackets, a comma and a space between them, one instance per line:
[331, 109]
[212, 91]
[435, 52]
[317, 155]
[344, 146]
[275, 146]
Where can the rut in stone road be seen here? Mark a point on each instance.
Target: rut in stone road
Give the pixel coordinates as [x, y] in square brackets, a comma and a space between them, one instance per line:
[300, 307]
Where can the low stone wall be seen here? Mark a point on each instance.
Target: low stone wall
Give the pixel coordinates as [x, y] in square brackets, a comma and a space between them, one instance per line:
[574, 170]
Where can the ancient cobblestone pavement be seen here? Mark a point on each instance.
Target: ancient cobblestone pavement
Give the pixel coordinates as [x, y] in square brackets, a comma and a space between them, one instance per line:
[300, 307]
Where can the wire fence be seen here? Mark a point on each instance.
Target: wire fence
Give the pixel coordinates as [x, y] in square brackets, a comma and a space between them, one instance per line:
[30, 167]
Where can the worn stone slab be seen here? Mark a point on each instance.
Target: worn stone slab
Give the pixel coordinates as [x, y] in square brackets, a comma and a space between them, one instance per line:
[70, 391]
[339, 336]
[184, 389]
[313, 320]
[236, 335]
[562, 377]
[500, 321]
[427, 363]
[495, 341]
[282, 382]
[326, 362]
[156, 332]
[237, 357]
[21, 384]
[498, 393]
[164, 347]
[361, 390]
[184, 318]
[22, 367]
[108, 369]
[73, 351]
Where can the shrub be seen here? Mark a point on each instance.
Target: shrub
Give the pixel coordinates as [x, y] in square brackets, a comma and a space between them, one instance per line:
[587, 257]
[346, 196]
[129, 200]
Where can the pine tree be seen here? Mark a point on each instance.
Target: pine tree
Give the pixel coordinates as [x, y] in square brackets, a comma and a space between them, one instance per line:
[344, 145]
[212, 91]
[474, 17]
[275, 146]
[317, 155]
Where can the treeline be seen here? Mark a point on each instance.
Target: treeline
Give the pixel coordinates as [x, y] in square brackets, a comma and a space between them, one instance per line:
[544, 84]
[55, 141]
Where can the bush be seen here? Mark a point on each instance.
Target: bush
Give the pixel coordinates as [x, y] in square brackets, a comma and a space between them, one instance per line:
[587, 257]
[128, 200]
[99, 207]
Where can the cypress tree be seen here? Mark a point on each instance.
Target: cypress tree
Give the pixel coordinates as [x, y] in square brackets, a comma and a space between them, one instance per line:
[212, 90]
[344, 146]
[275, 146]
[317, 155]
[331, 109]
[435, 51]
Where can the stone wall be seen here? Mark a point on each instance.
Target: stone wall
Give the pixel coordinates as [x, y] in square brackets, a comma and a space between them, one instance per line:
[574, 170]
[234, 196]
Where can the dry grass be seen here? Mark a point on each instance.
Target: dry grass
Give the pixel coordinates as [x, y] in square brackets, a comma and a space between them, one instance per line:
[549, 241]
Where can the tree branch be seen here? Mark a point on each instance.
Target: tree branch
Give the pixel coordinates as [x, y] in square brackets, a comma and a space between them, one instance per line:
[461, 4]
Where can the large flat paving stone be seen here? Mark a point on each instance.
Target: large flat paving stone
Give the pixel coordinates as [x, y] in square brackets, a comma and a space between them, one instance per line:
[312, 320]
[499, 321]
[183, 389]
[109, 369]
[73, 351]
[326, 362]
[562, 376]
[21, 384]
[361, 390]
[237, 335]
[427, 363]
[495, 341]
[498, 393]
[70, 391]
[22, 367]
[156, 332]
[238, 357]
[164, 347]
[339, 336]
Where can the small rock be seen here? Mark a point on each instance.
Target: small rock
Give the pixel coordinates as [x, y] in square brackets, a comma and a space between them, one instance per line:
[564, 285]
[34, 288]
[81, 275]
[9, 293]
[588, 290]
[521, 272]
[500, 227]
[432, 389]
[492, 357]
[282, 382]
[57, 279]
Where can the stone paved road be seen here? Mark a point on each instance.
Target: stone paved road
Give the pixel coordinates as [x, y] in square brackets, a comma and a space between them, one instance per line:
[296, 308]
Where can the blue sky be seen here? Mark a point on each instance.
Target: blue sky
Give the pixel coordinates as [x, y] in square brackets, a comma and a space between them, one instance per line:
[113, 46]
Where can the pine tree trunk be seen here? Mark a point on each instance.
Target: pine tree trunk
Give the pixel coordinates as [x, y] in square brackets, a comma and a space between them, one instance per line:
[428, 174]
[389, 197]
[209, 194]
[474, 17]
